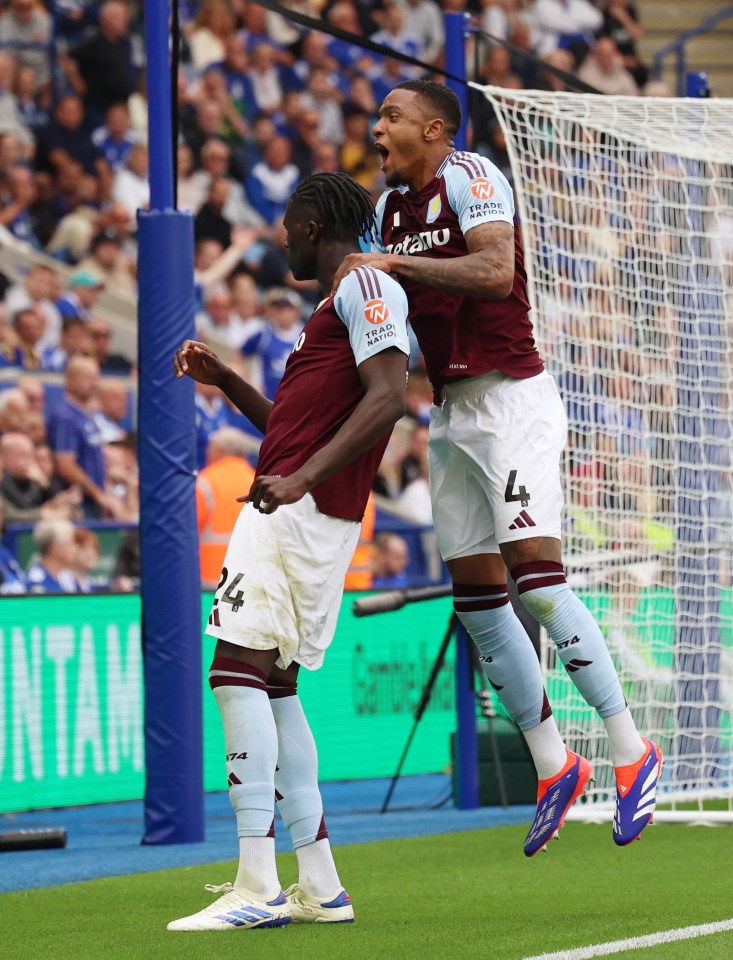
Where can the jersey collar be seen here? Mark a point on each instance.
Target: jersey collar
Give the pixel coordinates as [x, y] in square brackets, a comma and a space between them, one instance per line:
[444, 164]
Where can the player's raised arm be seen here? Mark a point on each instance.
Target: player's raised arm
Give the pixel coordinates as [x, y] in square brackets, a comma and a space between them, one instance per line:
[196, 360]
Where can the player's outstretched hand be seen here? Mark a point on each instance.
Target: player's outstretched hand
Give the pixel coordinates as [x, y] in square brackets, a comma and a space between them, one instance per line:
[199, 362]
[382, 261]
[268, 493]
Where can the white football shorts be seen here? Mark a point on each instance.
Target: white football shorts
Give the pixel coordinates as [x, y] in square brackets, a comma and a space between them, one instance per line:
[495, 445]
[282, 581]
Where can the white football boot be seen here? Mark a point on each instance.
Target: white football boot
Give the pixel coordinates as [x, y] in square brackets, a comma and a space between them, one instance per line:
[307, 909]
[237, 909]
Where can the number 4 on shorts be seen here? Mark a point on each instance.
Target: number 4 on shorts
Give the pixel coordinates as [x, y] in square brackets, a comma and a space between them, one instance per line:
[229, 596]
[522, 494]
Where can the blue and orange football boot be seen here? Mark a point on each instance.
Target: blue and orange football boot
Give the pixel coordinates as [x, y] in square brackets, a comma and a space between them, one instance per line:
[636, 794]
[555, 796]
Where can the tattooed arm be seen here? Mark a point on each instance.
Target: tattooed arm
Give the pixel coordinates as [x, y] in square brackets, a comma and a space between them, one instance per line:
[487, 270]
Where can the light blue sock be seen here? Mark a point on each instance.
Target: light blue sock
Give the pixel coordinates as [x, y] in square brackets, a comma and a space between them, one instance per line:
[580, 644]
[509, 659]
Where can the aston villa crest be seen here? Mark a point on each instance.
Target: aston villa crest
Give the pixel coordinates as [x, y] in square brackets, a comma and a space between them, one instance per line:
[434, 208]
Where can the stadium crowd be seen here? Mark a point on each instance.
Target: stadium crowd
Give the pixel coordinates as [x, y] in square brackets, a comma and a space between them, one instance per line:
[262, 104]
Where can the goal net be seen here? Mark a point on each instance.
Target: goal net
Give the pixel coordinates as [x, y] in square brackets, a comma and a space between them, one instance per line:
[626, 210]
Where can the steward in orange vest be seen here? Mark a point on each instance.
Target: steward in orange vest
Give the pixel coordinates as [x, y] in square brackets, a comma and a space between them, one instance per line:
[226, 476]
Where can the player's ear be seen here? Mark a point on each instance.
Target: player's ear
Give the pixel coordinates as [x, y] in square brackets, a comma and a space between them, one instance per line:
[314, 232]
[433, 129]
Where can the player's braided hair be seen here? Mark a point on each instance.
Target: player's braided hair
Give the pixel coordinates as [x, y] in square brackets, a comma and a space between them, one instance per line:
[344, 206]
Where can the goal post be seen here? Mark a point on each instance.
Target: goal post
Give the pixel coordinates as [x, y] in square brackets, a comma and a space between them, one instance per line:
[626, 211]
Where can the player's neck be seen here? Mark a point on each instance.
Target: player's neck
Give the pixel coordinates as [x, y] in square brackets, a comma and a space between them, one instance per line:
[429, 167]
[330, 260]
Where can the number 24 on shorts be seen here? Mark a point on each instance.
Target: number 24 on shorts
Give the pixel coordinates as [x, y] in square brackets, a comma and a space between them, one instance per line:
[229, 595]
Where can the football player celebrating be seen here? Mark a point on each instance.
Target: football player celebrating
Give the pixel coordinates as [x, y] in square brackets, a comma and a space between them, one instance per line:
[280, 590]
[446, 229]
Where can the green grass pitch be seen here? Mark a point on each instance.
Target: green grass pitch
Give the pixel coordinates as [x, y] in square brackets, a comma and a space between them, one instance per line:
[466, 895]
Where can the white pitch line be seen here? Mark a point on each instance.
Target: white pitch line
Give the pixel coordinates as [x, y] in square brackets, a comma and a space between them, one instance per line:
[636, 943]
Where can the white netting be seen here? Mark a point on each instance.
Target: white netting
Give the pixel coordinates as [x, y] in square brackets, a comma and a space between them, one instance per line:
[626, 207]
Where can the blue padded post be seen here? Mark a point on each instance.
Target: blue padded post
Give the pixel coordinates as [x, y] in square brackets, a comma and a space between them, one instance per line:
[170, 583]
[455, 63]
[160, 119]
[466, 737]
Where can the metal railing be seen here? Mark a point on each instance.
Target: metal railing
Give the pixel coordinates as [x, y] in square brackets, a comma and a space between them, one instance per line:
[678, 48]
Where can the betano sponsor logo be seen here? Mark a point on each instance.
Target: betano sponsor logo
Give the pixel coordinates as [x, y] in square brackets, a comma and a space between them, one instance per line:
[418, 242]
[376, 311]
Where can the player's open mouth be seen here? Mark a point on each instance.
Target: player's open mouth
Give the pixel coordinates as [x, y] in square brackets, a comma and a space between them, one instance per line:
[383, 153]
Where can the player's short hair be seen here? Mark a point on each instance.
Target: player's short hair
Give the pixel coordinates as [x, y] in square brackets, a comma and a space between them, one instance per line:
[344, 206]
[440, 98]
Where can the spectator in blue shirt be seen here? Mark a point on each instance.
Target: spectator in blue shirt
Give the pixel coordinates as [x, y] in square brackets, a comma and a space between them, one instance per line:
[81, 295]
[12, 578]
[345, 16]
[76, 440]
[386, 75]
[20, 194]
[211, 415]
[272, 180]
[27, 96]
[74, 343]
[115, 139]
[52, 572]
[390, 559]
[395, 35]
[272, 345]
[67, 137]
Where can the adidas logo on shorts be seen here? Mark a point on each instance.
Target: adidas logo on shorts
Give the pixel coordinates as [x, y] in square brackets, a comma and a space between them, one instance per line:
[522, 521]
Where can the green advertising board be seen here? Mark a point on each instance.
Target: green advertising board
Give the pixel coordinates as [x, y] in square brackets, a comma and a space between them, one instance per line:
[71, 699]
[71, 693]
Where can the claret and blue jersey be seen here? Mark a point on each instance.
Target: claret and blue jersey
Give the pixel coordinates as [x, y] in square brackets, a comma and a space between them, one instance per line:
[321, 385]
[460, 336]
